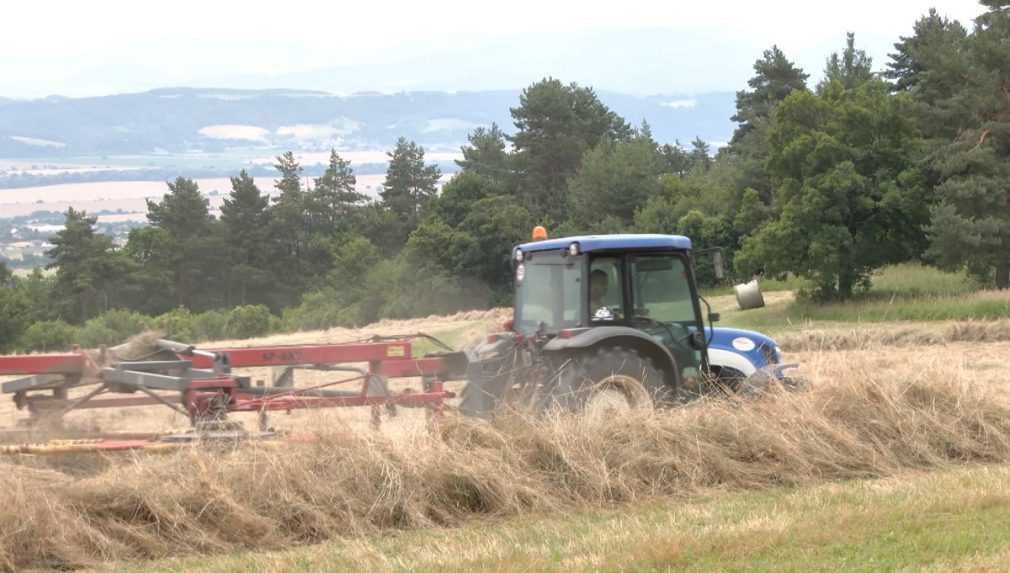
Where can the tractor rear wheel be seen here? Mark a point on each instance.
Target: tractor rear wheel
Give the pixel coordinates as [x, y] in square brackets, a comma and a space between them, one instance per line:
[608, 378]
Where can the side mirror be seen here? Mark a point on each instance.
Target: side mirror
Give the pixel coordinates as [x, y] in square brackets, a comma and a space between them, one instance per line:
[697, 340]
[714, 317]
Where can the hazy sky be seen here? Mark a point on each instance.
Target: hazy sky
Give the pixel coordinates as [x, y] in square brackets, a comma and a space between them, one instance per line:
[107, 46]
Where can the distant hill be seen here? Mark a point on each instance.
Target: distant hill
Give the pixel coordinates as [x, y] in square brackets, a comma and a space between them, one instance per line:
[188, 120]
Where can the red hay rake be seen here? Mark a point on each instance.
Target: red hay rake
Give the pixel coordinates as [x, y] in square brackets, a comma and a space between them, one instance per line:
[199, 383]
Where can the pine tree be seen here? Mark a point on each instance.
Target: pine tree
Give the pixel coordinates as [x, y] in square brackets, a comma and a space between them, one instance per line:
[923, 58]
[644, 133]
[485, 154]
[931, 66]
[187, 248]
[289, 212]
[971, 224]
[701, 155]
[183, 211]
[245, 219]
[410, 184]
[152, 252]
[555, 125]
[289, 231]
[675, 160]
[334, 198]
[87, 267]
[852, 68]
[775, 77]
[291, 174]
[244, 212]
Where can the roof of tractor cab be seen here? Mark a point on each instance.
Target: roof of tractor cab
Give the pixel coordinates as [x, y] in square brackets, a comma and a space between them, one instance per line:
[589, 243]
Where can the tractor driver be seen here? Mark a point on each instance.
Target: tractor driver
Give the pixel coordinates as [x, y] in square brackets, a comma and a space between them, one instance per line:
[599, 284]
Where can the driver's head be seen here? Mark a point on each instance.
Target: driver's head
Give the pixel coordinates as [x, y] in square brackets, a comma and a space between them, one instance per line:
[598, 283]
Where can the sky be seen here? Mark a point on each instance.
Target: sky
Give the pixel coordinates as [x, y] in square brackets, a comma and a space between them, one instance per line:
[76, 48]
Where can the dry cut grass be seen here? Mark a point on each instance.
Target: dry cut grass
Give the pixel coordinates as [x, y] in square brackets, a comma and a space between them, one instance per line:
[865, 337]
[350, 484]
[937, 521]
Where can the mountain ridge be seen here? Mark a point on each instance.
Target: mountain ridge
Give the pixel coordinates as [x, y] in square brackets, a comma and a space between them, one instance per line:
[190, 120]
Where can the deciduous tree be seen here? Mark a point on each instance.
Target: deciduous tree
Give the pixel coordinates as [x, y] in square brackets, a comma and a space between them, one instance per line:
[615, 179]
[848, 198]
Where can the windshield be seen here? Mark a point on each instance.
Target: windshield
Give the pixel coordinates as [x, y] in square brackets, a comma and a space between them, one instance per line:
[548, 291]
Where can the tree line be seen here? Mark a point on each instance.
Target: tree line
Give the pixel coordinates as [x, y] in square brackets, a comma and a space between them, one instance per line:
[828, 181]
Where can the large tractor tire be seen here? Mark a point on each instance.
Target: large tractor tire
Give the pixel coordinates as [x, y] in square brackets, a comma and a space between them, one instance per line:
[609, 377]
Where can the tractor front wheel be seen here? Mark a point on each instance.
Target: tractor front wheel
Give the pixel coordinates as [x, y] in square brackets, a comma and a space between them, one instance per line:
[608, 378]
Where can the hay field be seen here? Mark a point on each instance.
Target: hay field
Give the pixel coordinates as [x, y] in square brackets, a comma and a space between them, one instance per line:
[928, 400]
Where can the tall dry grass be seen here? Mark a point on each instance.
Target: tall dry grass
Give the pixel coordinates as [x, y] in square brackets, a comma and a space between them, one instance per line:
[350, 484]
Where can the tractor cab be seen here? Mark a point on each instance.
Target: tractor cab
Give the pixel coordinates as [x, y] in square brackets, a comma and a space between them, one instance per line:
[611, 314]
[565, 287]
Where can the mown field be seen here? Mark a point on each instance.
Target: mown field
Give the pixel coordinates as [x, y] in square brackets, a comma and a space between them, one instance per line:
[895, 460]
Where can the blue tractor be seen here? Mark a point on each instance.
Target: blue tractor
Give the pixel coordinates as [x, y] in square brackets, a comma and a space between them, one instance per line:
[615, 316]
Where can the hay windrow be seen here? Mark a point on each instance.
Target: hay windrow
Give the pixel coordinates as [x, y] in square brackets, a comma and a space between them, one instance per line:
[867, 337]
[351, 484]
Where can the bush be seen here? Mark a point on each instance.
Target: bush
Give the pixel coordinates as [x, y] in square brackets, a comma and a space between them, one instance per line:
[49, 335]
[210, 325]
[113, 327]
[177, 324]
[913, 279]
[433, 293]
[318, 309]
[248, 321]
[390, 289]
[94, 334]
[127, 322]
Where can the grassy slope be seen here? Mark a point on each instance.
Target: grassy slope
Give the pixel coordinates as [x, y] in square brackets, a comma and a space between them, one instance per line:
[900, 293]
[948, 521]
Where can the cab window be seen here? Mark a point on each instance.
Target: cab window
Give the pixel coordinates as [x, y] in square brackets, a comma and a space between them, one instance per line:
[606, 290]
[661, 291]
